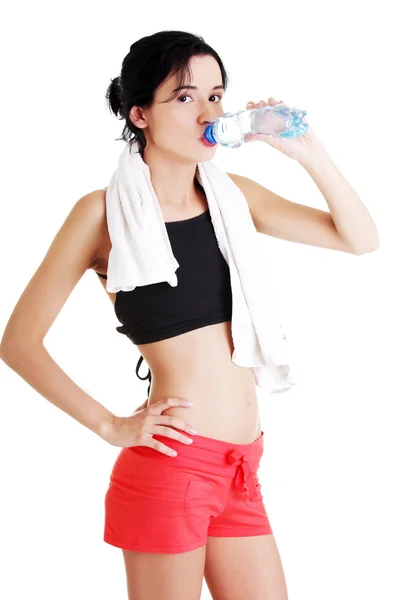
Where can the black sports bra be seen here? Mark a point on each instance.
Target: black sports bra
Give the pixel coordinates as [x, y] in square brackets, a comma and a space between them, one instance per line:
[203, 296]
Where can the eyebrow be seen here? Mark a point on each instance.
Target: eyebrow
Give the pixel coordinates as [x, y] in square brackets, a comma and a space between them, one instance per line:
[193, 87]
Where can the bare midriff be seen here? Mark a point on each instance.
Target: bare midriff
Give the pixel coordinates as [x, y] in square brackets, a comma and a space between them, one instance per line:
[198, 366]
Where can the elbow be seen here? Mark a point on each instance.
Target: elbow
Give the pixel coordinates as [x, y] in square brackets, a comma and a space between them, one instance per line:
[370, 245]
[18, 341]
[367, 250]
[8, 351]
[12, 349]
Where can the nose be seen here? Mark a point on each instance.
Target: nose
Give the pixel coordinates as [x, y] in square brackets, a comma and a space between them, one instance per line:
[209, 114]
[207, 121]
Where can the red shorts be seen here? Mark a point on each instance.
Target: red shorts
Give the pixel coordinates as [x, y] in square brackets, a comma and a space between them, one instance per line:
[160, 503]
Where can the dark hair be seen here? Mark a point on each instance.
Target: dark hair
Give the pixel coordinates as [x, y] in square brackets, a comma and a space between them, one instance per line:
[149, 62]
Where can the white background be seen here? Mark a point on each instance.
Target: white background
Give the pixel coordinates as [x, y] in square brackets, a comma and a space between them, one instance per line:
[330, 469]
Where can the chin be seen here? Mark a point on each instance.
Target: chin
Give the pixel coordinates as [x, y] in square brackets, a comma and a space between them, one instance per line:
[208, 150]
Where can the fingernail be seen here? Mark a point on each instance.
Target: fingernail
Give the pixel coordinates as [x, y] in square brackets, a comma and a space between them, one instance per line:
[193, 431]
[189, 403]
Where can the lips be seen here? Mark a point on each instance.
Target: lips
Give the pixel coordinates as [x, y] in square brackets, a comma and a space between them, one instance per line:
[206, 142]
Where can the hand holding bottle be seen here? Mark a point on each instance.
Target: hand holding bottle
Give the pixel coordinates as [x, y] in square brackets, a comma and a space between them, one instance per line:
[299, 148]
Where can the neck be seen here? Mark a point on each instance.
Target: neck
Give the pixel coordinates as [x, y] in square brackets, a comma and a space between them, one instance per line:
[174, 182]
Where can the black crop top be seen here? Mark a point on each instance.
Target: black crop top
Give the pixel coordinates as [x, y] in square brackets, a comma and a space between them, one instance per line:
[203, 295]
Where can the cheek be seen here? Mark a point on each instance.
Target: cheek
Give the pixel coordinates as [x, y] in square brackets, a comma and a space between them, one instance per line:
[183, 114]
[174, 120]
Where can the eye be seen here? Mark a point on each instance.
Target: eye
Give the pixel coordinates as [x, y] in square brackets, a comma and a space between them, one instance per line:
[213, 96]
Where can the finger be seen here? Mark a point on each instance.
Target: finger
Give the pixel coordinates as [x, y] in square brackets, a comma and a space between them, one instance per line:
[160, 447]
[169, 402]
[175, 422]
[171, 433]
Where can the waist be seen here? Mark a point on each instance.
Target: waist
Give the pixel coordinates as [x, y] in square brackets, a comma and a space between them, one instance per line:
[225, 406]
[198, 366]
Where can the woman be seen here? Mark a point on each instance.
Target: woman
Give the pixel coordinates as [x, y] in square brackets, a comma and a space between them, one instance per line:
[200, 512]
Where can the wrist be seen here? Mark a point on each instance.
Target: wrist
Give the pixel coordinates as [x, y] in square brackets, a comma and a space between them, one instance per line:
[315, 154]
[107, 427]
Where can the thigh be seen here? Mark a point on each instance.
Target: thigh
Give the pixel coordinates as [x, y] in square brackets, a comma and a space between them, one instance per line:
[239, 568]
[152, 576]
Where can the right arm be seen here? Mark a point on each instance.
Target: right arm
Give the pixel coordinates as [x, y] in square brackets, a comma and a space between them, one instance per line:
[71, 253]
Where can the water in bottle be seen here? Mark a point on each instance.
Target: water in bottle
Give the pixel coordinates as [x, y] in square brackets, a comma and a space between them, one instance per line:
[234, 129]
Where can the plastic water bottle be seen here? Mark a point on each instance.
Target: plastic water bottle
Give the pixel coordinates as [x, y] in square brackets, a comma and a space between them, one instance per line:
[234, 129]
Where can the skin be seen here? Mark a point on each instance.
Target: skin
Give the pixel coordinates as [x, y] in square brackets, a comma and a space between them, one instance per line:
[196, 365]
[172, 130]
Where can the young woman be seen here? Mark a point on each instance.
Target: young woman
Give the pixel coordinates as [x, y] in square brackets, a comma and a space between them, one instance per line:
[201, 512]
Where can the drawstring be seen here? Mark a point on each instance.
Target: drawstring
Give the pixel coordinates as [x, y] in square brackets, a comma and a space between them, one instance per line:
[249, 485]
[148, 376]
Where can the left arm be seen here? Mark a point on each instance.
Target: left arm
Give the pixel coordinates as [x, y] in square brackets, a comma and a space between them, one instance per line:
[347, 227]
[350, 216]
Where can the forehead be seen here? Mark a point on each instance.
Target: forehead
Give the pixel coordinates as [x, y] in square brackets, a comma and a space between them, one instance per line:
[204, 73]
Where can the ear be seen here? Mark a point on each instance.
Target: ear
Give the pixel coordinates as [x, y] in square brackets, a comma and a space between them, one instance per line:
[136, 115]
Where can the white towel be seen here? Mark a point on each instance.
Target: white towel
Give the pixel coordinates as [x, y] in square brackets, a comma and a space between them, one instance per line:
[141, 254]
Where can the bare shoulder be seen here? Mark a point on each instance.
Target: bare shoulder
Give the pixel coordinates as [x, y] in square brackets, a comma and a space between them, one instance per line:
[250, 188]
[95, 204]
[72, 251]
[88, 219]
[239, 179]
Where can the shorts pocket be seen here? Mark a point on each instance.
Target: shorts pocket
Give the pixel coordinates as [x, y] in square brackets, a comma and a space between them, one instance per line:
[198, 497]
[257, 500]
